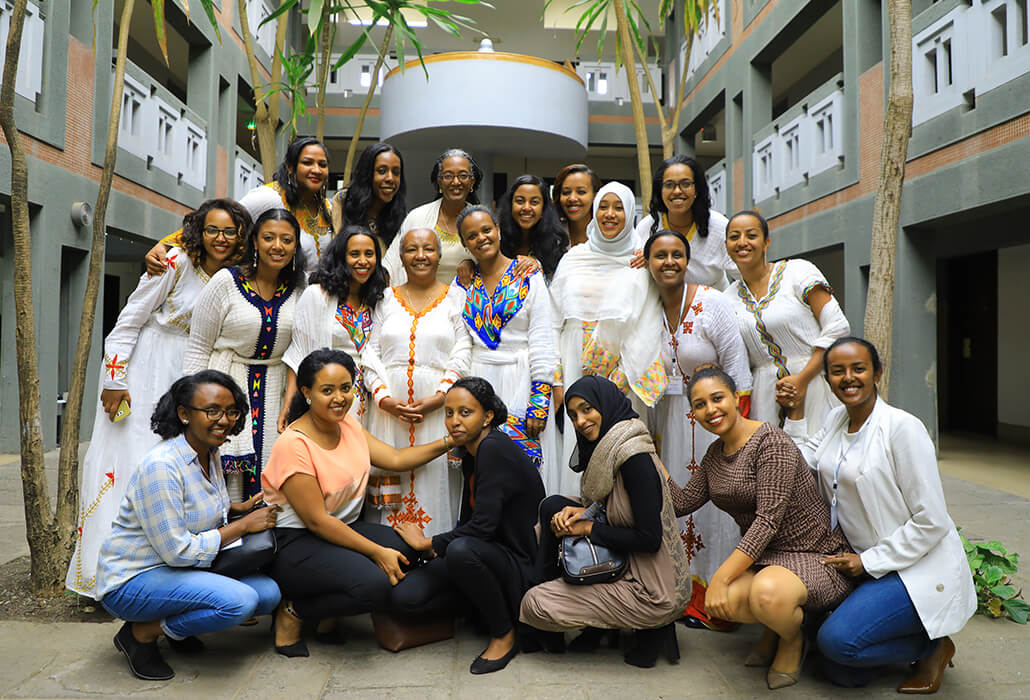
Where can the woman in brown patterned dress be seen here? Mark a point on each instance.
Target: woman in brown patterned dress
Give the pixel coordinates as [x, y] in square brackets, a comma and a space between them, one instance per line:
[756, 474]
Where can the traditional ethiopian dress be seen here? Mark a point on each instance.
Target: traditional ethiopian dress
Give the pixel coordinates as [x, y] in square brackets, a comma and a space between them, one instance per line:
[452, 252]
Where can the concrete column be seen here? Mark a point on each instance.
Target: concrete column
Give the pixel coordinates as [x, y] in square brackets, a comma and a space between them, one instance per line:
[757, 113]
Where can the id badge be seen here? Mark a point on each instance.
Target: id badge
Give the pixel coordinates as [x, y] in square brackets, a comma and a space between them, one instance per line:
[675, 387]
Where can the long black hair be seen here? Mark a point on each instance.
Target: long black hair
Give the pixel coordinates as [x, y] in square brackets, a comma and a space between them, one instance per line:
[477, 172]
[334, 274]
[293, 275]
[306, 371]
[286, 175]
[193, 229]
[483, 392]
[165, 419]
[702, 198]
[360, 194]
[548, 239]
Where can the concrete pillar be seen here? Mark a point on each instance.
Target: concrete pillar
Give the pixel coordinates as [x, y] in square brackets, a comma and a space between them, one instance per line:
[757, 112]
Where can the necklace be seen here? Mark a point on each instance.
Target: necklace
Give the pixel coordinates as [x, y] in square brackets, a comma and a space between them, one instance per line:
[417, 304]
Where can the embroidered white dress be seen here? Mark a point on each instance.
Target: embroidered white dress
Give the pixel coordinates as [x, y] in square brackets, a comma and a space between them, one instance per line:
[452, 252]
[151, 335]
[237, 332]
[781, 332]
[412, 355]
[707, 334]
[322, 321]
[709, 263]
[513, 348]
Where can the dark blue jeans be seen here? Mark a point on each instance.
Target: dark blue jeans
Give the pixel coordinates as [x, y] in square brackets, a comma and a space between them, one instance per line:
[877, 625]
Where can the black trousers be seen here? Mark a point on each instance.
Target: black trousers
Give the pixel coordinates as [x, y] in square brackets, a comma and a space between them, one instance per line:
[473, 572]
[547, 555]
[325, 580]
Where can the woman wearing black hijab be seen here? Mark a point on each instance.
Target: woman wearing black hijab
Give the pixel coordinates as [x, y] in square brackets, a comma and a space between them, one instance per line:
[620, 470]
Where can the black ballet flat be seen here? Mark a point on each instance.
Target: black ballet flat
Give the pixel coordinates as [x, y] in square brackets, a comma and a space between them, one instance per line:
[189, 645]
[652, 643]
[590, 639]
[480, 665]
[298, 648]
[532, 640]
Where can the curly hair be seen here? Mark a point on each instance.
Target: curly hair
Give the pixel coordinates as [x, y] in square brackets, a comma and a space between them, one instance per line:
[165, 419]
[192, 238]
[548, 239]
[559, 180]
[334, 274]
[477, 172]
[292, 275]
[306, 371]
[702, 199]
[285, 175]
[483, 392]
[360, 194]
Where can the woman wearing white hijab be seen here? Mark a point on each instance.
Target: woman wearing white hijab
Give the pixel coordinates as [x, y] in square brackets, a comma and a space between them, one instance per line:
[594, 283]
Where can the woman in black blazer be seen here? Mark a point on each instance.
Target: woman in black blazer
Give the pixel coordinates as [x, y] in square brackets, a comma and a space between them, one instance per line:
[487, 561]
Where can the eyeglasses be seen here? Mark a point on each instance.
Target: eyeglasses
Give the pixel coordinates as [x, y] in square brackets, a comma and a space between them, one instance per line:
[462, 177]
[228, 234]
[213, 414]
[671, 185]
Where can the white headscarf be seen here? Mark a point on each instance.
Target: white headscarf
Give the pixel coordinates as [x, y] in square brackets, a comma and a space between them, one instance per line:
[623, 243]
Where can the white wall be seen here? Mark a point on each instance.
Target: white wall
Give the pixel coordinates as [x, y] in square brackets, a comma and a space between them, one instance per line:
[1013, 336]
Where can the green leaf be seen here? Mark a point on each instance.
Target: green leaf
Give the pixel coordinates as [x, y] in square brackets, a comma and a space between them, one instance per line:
[209, 10]
[315, 16]
[1004, 591]
[159, 27]
[1018, 610]
[351, 51]
[282, 9]
[992, 574]
[997, 547]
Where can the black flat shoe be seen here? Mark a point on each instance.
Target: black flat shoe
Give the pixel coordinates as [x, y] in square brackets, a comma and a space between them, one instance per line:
[144, 659]
[481, 665]
[650, 644]
[532, 640]
[189, 645]
[592, 637]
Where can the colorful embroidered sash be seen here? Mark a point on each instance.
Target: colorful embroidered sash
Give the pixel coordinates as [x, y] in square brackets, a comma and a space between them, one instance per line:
[485, 314]
[358, 325]
[756, 309]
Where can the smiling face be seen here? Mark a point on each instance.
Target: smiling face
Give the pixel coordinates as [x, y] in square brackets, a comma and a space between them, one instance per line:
[527, 206]
[746, 242]
[455, 178]
[577, 196]
[678, 191]
[331, 393]
[849, 370]
[420, 254]
[585, 418]
[667, 261]
[361, 257]
[611, 216]
[386, 176]
[201, 431]
[480, 236]
[276, 243]
[714, 405]
[464, 416]
[312, 168]
[219, 247]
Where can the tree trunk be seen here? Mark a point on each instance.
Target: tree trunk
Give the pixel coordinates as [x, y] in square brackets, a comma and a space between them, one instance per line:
[670, 131]
[39, 520]
[639, 124]
[265, 116]
[326, 46]
[353, 148]
[897, 125]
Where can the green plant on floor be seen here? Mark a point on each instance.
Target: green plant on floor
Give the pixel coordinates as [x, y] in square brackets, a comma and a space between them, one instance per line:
[992, 566]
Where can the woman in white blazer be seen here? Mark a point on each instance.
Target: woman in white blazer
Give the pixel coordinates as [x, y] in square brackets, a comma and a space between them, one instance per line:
[877, 467]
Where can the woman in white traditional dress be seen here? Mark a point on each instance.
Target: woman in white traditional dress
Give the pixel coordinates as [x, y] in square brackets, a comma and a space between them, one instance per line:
[787, 316]
[575, 187]
[242, 325]
[698, 328]
[595, 283]
[419, 348]
[681, 202]
[508, 317]
[151, 332]
[299, 187]
[335, 311]
[456, 177]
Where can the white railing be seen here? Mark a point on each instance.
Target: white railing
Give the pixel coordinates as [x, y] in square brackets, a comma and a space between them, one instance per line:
[355, 76]
[605, 84]
[712, 32]
[257, 11]
[247, 174]
[716, 176]
[29, 83]
[803, 142]
[969, 51]
[161, 130]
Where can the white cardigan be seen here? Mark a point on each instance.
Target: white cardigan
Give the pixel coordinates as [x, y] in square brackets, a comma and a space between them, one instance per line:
[901, 498]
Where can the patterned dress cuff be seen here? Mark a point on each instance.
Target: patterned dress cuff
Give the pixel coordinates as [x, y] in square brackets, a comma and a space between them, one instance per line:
[539, 400]
[116, 371]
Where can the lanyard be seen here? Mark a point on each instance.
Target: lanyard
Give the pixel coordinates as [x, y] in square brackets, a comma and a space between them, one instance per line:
[859, 437]
[673, 331]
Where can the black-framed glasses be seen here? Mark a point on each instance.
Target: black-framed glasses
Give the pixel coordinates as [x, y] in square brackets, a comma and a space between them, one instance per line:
[228, 234]
[462, 177]
[214, 414]
[672, 185]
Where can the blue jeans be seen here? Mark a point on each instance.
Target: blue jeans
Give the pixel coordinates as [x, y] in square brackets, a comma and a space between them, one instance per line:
[191, 601]
[875, 626]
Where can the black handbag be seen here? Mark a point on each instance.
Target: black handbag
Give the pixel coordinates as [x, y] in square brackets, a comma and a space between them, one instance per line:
[257, 551]
[584, 563]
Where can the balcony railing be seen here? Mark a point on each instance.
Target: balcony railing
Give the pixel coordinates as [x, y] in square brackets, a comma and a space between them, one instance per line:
[257, 11]
[713, 31]
[161, 130]
[716, 176]
[606, 84]
[29, 83]
[803, 142]
[247, 174]
[971, 50]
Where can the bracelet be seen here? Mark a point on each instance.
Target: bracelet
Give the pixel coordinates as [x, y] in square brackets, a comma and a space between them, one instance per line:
[447, 442]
